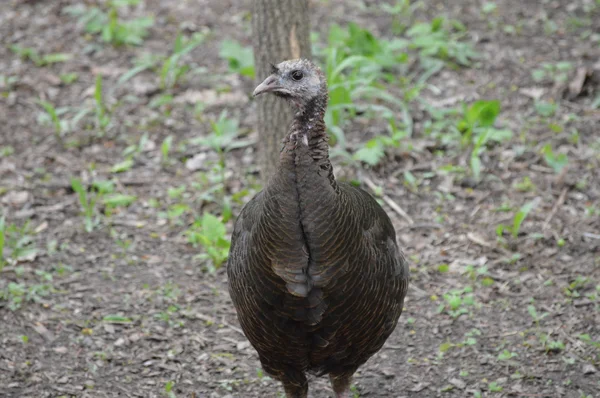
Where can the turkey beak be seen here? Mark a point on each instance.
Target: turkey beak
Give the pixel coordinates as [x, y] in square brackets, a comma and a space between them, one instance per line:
[268, 85]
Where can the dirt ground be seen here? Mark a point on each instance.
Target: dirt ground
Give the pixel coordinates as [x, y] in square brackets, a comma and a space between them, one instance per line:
[129, 310]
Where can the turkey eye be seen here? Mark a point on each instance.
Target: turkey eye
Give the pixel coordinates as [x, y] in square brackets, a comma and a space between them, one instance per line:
[297, 75]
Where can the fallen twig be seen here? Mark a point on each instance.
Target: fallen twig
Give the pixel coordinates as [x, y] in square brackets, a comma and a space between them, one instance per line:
[389, 201]
[559, 202]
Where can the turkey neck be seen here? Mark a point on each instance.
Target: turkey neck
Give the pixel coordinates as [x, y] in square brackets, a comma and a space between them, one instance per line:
[306, 147]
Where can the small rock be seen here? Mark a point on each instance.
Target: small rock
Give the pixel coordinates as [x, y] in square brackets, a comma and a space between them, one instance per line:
[109, 328]
[63, 380]
[16, 198]
[588, 369]
[458, 383]
[242, 345]
[120, 342]
[60, 350]
[196, 162]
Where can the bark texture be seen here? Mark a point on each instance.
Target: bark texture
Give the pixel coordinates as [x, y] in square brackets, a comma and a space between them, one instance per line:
[280, 31]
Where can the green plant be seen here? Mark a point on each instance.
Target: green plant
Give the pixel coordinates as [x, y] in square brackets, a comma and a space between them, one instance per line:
[556, 161]
[222, 139]
[441, 39]
[240, 59]
[506, 355]
[517, 220]
[112, 201]
[169, 389]
[494, 387]
[16, 243]
[537, 317]
[457, 301]
[478, 120]
[209, 232]
[107, 23]
[2, 242]
[172, 70]
[558, 72]
[88, 205]
[53, 116]
[165, 148]
[69, 78]
[31, 54]
[102, 115]
[545, 109]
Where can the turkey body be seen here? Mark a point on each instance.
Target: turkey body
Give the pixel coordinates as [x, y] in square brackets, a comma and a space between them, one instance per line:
[314, 270]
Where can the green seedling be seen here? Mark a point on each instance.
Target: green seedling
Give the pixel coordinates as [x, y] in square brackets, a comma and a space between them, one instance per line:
[102, 114]
[165, 149]
[476, 128]
[558, 72]
[537, 317]
[209, 232]
[457, 301]
[556, 161]
[16, 294]
[441, 39]
[109, 26]
[517, 220]
[53, 116]
[494, 387]
[69, 78]
[240, 59]
[172, 69]
[16, 243]
[545, 109]
[88, 205]
[31, 54]
[113, 201]
[122, 166]
[2, 242]
[507, 355]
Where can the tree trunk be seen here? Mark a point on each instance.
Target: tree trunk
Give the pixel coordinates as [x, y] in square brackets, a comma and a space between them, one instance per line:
[280, 31]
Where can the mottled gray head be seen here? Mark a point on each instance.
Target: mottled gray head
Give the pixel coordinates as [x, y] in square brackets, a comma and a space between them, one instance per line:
[298, 80]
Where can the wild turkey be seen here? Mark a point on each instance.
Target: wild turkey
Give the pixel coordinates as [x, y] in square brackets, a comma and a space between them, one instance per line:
[314, 270]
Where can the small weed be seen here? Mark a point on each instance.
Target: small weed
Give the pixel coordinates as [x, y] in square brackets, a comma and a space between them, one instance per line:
[109, 26]
[16, 294]
[494, 387]
[442, 39]
[537, 317]
[69, 78]
[165, 149]
[209, 232]
[457, 301]
[240, 59]
[556, 161]
[102, 114]
[525, 185]
[31, 54]
[52, 114]
[115, 200]
[88, 205]
[169, 393]
[517, 220]
[16, 243]
[172, 71]
[557, 73]
[506, 355]
[545, 109]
